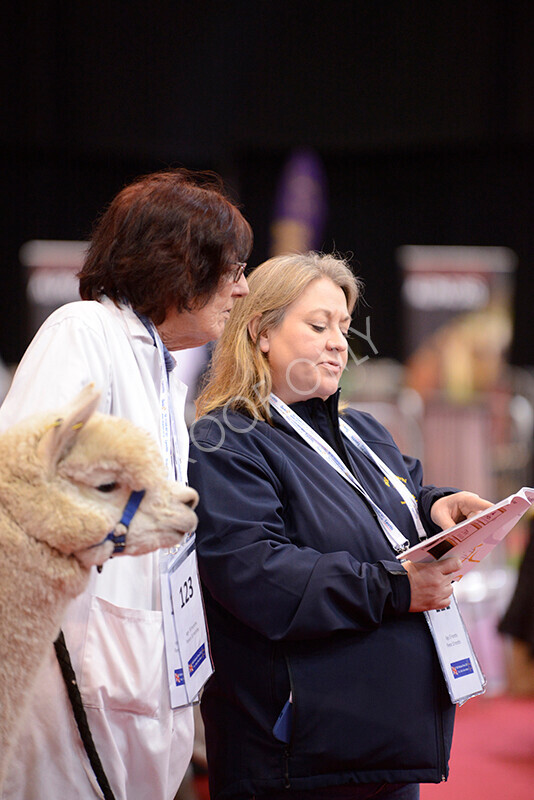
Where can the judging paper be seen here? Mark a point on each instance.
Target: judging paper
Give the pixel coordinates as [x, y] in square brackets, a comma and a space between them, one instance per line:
[473, 539]
[190, 621]
[188, 654]
[175, 671]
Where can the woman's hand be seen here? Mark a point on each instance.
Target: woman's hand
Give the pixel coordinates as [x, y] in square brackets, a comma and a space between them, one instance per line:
[454, 508]
[431, 584]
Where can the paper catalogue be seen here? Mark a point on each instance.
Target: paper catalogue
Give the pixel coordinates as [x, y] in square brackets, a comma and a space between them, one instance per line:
[473, 539]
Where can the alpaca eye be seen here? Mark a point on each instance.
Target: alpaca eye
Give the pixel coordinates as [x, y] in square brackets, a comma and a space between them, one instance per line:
[107, 487]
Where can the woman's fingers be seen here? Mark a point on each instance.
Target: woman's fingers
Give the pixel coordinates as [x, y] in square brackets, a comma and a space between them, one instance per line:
[450, 565]
[431, 584]
[453, 508]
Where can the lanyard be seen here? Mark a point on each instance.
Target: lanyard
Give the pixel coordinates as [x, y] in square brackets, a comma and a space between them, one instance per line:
[169, 437]
[397, 540]
[187, 652]
[399, 485]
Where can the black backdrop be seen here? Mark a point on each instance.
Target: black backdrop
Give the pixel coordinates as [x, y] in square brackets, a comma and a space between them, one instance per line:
[421, 112]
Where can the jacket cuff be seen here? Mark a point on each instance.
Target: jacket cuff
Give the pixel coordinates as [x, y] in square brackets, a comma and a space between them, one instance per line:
[401, 595]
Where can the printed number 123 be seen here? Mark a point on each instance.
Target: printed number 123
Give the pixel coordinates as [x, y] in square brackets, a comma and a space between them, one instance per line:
[186, 592]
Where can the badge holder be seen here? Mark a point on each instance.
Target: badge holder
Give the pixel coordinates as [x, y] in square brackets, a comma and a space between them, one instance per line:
[461, 670]
[189, 663]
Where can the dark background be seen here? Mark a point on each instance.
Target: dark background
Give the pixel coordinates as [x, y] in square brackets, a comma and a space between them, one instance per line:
[421, 112]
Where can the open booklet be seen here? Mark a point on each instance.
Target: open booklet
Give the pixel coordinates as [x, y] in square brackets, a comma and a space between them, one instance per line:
[473, 539]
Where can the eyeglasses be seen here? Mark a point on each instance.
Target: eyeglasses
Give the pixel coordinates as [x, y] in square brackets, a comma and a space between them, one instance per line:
[235, 274]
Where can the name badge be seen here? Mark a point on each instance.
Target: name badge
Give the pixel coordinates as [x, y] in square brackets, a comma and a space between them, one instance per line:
[459, 664]
[189, 663]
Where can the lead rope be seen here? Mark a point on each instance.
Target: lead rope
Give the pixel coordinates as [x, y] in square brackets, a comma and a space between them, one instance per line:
[80, 716]
[67, 670]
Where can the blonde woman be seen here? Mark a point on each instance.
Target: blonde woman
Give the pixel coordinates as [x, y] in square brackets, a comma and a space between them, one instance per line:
[327, 682]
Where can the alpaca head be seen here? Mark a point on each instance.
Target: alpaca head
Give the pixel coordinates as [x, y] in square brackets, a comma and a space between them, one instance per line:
[72, 474]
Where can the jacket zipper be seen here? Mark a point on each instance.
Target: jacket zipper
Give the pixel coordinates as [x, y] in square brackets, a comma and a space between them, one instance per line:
[287, 751]
[441, 732]
[287, 784]
[442, 751]
[343, 453]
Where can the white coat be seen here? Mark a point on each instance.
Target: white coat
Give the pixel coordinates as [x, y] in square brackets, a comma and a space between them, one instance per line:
[114, 630]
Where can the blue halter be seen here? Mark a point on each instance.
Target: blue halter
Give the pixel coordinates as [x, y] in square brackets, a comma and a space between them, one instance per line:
[118, 534]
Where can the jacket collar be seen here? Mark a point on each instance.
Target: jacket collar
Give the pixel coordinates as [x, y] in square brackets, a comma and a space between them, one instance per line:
[136, 329]
[316, 410]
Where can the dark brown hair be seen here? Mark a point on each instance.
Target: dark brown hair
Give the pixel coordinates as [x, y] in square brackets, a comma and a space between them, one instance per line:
[164, 241]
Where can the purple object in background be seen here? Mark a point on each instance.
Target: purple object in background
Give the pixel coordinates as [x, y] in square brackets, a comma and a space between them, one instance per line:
[300, 204]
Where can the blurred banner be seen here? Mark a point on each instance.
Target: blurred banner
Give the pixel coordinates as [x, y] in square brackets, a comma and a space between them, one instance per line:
[457, 317]
[300, 205]
[51, 267]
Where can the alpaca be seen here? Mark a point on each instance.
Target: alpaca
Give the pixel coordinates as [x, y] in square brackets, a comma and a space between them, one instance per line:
[65, 480]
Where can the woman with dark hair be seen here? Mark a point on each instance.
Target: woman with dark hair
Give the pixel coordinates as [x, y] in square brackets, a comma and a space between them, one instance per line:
[164, 243]
[163, 270]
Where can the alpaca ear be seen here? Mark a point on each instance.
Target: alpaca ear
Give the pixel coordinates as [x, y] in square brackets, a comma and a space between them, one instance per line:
[59, 438]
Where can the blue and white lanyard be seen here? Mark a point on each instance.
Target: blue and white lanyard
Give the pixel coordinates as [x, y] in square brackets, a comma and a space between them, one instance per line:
[397, 540]
[396, 482]
[169, 437]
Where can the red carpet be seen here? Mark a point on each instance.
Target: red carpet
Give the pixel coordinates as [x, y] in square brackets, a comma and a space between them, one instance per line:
[492, 752]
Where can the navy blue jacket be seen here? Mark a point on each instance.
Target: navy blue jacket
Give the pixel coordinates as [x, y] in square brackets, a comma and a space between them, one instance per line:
[303, 593]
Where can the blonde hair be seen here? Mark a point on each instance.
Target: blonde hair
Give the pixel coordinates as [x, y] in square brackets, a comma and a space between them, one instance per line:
[240, 376]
